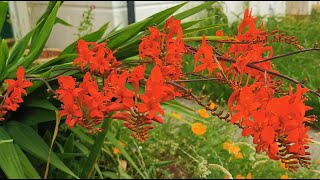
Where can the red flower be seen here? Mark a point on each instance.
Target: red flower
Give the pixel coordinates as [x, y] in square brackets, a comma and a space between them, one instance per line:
[18, 84]
[207, 60]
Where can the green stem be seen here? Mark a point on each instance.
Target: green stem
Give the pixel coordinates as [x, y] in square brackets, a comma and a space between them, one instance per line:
[88, 167]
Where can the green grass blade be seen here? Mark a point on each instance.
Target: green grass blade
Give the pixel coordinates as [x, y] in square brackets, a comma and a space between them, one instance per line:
[194, 30]
[19, 49]
[88, 168]
[4, 52]
[163, 15]
[63, 22]
[28, 168]
[119, 37]
[3, 13]
[209, 38]
[193, 10]
[30, 141]
[9, 158]
[114, 141]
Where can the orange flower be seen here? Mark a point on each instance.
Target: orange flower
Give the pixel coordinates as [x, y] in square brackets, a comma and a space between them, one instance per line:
[318, 162]
[198, 129]
[249, 176]
[285, 176]
[238, 155]
[176, 115]
[203, 113]
[283, 166]
[239, 176]
[227, 146]
[212, 105]
[234, 149]
[116, 150]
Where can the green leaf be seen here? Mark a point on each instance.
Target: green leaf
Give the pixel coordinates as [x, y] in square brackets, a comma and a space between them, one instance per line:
[84, 137]
[164, 163]
[119, 37]
[58, 60]
[3, 13]
[92, 37]
[188, 24]
[28, 168]
[40, 103]
[9, 159]
[30, 141]
[63, 22]
[190, 31]
[209, 38]
[69, 144]
[71, 155]
[114, 141]
[163, 15]
[88, 167]
[193, 10]
[4, 52]
[36, 116]
[19, 49]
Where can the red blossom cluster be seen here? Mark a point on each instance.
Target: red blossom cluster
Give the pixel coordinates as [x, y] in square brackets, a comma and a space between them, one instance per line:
[165, 48]
[12, 98]
[87, 104]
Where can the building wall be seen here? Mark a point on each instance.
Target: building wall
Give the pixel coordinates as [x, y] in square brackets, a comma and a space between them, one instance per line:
[116, 13]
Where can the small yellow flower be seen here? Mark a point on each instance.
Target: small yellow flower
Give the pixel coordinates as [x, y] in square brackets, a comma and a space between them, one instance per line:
[212, 105]
[116, 150]
[238, 155]
[203, 113]
[198, 129]
[249, 176]
[176, 115]
[284, 176]
[239, 176]
[226, 177]
[234, 149]
[283, 166]
[227, 146]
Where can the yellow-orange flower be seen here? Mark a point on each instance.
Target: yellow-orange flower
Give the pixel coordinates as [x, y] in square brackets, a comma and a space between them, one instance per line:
[284, 176]
[238, 155]
[234, 149]
[239, 176]
[176, 115]
[227, 146]
[318, 162]
[212, 105]
[116, 150]
[283, 166]
[249, 176]
[203, 113]
[198, 129]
